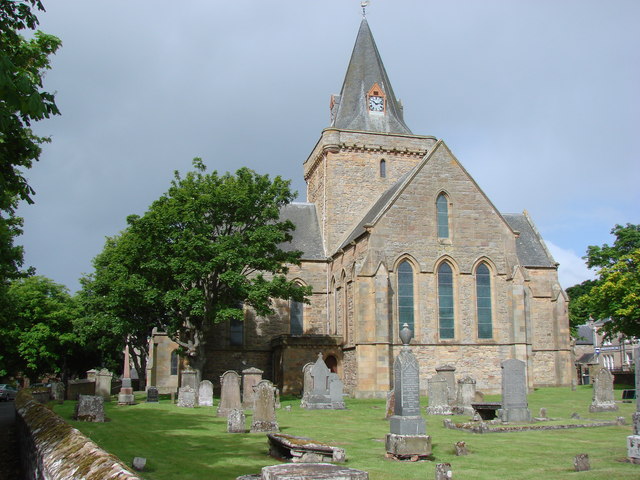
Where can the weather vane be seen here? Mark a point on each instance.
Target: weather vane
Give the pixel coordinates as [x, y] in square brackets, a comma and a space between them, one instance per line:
[364, 4]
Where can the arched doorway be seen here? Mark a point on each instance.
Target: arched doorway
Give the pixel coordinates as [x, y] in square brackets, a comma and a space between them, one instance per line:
[332, 363]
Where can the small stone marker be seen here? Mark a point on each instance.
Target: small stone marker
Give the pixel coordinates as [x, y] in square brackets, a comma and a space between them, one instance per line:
[461, 449]
[236, 421]
[250, 378]
[205, 394]
[543, 413]
[187, 397]
[90, 408]
[438, 393]
[152, 395]
[139, 463]
[443, 471]
[264, 412]
[581, 462]
[466, 396]
[514, 392]
[287, 408]
[229, 393]
[603, 400]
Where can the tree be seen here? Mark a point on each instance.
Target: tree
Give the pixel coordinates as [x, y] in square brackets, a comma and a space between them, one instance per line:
[40, 337]
[208, 248]
[615, 294]
[22, 101]
[120, 305]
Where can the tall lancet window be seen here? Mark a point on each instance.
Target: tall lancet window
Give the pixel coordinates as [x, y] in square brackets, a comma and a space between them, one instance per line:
[405, 295]
[296, 313]
[383, 168]
[174, 362]
[442, 206]
[483, 299]
[446, 311]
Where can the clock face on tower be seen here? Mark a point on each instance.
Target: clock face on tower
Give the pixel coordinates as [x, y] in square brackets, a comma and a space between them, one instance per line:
[376, 104]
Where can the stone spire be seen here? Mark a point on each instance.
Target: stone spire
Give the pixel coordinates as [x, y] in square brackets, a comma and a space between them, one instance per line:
[367, 102]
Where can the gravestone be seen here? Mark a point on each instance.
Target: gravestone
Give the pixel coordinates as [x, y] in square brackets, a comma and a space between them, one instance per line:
[57, 392]
[633, 441]
[125, 396]
[449, 373]
[466, 396]
[308, 471]
[139, 463]
[205, 394]
[264, 411]
[152, 395]
[327, 390]
[229, 393]
[408, 436]
[443, 471]
[603, 400]
[236, 421]
[189, 378]
[514, 392]
[461, 449]
[391, 404]
[187, 397]
[438, 393]
[581, 462]
[250, 378]
[90, 408]
[307, 379]
[303, 450]
[103, 384]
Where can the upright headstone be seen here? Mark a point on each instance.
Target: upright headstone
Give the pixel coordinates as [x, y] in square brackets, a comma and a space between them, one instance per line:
[57, 391]
[391, 404]
[336, 392]
[90, 408]
[466, 396]
[264, 411]
[438, 393]
[205, 394]
[188, 391]
[603, 400]
[103, 384]
[152, 395]
[633, 441]
[229, 393]
[236, 421]
[327, 390]
[449, 374]
[250, 378]
[514, 392]
[408, 436]
[187, 397]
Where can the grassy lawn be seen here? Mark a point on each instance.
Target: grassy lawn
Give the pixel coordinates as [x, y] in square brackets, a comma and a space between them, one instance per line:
[185, 444]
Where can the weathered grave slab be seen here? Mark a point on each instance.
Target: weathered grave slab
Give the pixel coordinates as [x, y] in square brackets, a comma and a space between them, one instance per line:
[514, 392]
[448, 372]
[103, 384]
[187, 397]
[250, 378]
[327, 388]
[205, 394]
[312, 471]
[303, 450]
[236, 421]
[229, 393]
[152, 395]
[90, 408]
[264, 412]
[603, 400]
[466, 396]
[438, 393]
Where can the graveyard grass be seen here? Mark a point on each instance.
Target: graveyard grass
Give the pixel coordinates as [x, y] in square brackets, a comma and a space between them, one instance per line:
[183, 443]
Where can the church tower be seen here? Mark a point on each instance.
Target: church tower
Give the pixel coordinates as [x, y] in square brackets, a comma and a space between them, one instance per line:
[366, 149]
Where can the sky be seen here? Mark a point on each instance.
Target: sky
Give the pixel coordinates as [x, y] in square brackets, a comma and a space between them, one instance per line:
[538, 99]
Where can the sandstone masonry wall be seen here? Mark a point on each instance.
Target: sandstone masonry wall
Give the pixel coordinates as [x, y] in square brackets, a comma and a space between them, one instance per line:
[52, 450]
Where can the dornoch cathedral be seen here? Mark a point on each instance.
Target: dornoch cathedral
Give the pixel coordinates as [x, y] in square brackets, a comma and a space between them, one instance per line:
[396, 231]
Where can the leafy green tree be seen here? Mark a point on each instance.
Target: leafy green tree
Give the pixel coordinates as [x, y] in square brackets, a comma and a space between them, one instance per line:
[22, 101]
[40, 337]
[211, 246]
[615, 294]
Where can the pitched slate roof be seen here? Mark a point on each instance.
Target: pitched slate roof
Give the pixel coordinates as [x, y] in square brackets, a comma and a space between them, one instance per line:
[365, 69]
[584, 335]
[530, 248]
[307, 236]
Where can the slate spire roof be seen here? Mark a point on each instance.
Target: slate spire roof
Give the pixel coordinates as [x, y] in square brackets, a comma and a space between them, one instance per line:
[350, 110]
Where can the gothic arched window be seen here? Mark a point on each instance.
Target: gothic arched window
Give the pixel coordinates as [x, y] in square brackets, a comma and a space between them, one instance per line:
[483, 301]
[442, 207]
[236, 332]
[405, 295]
[383, 168]
[174, 362]
[446, 311]
[296, 317]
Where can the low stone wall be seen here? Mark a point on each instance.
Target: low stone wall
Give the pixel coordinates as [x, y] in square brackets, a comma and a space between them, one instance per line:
[50, 449]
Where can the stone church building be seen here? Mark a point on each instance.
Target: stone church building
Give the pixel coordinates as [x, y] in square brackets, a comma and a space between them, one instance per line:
[396, 231]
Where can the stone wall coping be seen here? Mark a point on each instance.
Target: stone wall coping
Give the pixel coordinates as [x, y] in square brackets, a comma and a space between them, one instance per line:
[61, 450]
